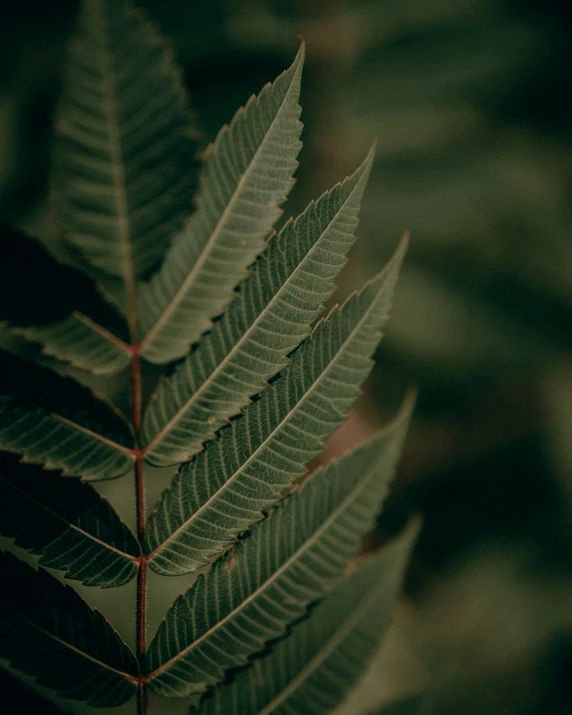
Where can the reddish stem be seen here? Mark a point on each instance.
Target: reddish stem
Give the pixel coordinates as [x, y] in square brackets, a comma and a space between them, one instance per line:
[141, 698]
[136, 389]
[140, 507]
[142, 573]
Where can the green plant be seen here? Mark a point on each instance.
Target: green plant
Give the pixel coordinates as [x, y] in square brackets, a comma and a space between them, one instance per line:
[276, 610]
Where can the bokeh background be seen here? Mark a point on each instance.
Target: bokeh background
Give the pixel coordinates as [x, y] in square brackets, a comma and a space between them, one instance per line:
[471, 105]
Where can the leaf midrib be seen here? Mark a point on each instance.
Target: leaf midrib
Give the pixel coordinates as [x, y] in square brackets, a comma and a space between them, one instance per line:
[100, 330]
[117, 168]
[99, 437]
[305, 396]
[255, 324]
[315, 537]
[173, 305]
[77, 427]
[75, 649]
[339, 635]
[68, 523]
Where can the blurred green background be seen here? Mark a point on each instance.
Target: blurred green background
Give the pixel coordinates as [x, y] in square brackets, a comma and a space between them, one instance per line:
[471, 105]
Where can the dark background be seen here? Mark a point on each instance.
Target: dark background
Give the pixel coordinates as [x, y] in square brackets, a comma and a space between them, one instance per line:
[471, 104]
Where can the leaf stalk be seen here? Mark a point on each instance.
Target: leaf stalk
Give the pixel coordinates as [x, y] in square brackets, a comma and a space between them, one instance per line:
[141, 611]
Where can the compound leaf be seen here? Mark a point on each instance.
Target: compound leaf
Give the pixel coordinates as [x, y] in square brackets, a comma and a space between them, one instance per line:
[272, 314]
[290, 559]
[247, 175]
[48, 632]
[54, 421]
[224, 489]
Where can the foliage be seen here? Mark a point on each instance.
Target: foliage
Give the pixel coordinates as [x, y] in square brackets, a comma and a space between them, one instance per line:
[254, 384]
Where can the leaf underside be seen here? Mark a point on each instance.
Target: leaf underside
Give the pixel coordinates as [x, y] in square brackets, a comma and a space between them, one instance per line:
[276, 625]
[48, 632]
[124, 160]
[224, 489]
[54, 421]
[247, 175]
[67, 524]
[271, 315]
[290, 559]
[55, 305]
[313, 668]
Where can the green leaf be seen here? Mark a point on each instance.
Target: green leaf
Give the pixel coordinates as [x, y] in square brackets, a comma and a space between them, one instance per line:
[48, 632]
[312, 669]
[224, 489]
[82, 342]
[13, 691]
[272, 314]
[124, 160]
[247, 175]
[54, 421]
[53, 304]
[290, 560]
[68, 524]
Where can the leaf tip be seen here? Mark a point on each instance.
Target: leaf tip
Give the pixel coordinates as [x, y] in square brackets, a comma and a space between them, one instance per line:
[300, 57]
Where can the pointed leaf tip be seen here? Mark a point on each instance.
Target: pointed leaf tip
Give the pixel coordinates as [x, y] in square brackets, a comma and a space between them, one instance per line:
[287, 288]
[326, 653]
[294, 73]
[364, 169]
[319, 528]
[329, 368]
[256, 154]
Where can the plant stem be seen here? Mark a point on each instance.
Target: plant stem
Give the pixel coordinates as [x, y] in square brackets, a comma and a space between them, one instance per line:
[140, 508]
[141, 586]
